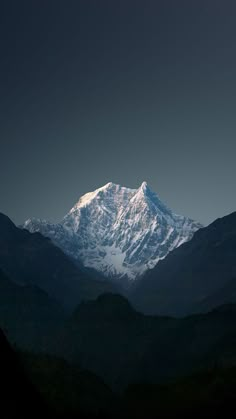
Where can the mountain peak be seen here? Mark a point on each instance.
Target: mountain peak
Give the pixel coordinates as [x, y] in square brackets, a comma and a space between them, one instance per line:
[109, 185]
[90, 196]
[145, 194]
[144, 185]
[145, 190]
[112, 188]
[119, 231]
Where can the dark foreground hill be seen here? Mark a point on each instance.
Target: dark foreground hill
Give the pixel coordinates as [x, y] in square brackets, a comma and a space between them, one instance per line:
[196, 277]
[18, 398]
[206, 394]
[71, 392]
[31, 259]
[66, 389]
[41, 386]
[110, 338]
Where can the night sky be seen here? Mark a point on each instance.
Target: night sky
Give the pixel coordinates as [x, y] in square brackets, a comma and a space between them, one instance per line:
[121, 91]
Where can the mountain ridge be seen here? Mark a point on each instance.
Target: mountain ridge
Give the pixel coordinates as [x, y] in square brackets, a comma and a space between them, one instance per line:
[196, 276]
[32, 259]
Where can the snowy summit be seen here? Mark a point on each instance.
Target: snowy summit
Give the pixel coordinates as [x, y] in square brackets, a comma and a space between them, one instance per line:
[118, 231]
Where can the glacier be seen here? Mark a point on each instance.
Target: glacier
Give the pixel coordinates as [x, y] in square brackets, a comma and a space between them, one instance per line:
[118, 231]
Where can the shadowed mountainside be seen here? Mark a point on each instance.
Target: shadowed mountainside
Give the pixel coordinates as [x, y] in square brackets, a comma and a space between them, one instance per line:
[27, 314]
[196, 277]
[18, 398]
[31, 259]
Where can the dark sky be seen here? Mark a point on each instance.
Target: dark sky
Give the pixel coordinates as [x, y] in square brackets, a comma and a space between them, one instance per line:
[121, 91]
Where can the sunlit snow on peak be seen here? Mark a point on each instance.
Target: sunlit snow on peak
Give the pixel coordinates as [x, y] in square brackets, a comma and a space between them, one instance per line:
[119, 231]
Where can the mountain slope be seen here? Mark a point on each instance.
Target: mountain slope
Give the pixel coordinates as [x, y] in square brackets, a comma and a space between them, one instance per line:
[222, 296]
[43, 386]
[193, 273]
[107, 336]
[27, 314]
[32, 259]
[118, 231]
[69, 391]
[110, 338]
[18, 396]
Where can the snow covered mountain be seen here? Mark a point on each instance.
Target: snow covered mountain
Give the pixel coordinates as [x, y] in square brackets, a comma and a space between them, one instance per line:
[118, 231]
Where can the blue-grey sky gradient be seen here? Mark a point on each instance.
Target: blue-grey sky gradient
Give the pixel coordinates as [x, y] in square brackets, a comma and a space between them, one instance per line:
[122, 91]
